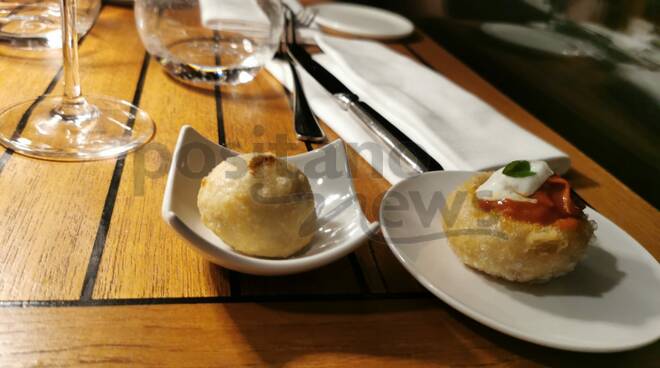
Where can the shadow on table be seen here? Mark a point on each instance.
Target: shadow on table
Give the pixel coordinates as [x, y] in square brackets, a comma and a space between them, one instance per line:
[578, 180]
[422, 331]
[549, 357]
[342, 331]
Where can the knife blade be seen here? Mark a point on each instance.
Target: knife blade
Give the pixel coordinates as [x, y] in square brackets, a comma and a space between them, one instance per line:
[410, 155]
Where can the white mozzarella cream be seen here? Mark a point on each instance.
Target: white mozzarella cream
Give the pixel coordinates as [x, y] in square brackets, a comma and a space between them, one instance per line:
[500, 186]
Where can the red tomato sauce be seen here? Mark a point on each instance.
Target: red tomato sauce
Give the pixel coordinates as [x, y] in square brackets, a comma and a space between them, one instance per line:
[554, 205]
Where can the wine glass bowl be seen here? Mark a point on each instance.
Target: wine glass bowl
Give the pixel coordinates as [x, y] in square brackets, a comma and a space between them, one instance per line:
[73, 127]
[210, 42]
[36, 25]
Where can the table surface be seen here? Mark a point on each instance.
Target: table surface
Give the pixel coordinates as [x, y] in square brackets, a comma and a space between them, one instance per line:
[91, 274]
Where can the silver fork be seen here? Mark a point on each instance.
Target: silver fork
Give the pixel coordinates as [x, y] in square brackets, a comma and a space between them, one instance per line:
[305, 124]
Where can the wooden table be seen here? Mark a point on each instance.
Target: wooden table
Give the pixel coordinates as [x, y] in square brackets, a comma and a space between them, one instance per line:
[91, 274]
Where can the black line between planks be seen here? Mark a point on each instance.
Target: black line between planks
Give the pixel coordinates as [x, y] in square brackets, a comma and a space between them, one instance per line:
[352, 258]
[110, 199]
[234, 277]
[212, 300]
[6, 155]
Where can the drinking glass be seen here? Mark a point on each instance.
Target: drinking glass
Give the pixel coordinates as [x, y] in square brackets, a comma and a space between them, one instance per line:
[73, 127]
[36, 24]
[210, 42]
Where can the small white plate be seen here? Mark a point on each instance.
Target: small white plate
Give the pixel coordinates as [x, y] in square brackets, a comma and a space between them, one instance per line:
[541, 40]
[362, 21]
[342, 226]
[610, 302]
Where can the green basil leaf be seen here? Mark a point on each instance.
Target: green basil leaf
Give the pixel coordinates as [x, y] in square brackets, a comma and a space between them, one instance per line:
[518, 169]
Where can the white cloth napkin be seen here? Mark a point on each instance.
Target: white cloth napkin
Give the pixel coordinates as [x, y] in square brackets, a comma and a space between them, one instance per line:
[223, 15]
[455, 127]
[216, 14]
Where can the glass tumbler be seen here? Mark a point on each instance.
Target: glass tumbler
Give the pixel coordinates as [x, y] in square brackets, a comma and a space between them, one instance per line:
[36, 24]
[210, 42]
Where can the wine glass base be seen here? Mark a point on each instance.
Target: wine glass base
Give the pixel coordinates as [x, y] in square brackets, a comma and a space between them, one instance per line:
[34, 128]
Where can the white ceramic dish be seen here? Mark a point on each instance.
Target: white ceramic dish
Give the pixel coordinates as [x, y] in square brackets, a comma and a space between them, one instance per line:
[610, 302]
[342, 226]
[362, 21]
[541, 40]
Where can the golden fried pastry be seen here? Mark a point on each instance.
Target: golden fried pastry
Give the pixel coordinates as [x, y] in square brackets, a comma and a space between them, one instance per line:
[532, 238]
[259, 205]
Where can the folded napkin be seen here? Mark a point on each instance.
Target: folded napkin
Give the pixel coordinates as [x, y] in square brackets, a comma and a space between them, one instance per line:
[216, 14]
[248, 17]
[454, 127]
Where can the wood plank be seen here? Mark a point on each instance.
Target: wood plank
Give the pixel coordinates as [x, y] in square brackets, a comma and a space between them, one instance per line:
[597, 186]
[406, 333]
[365, 267]
[143, 256]
[382, 272]
[36, 71]
[382, 269]
[364, 263]
[50, 219]
[257, 118]
[51, 211]
[25, 76]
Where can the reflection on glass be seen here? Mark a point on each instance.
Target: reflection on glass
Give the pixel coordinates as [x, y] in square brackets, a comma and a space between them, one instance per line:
[73, 127]
[36, 25]
[210, 42]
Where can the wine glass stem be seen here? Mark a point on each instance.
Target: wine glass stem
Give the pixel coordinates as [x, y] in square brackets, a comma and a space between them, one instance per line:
[73, 103]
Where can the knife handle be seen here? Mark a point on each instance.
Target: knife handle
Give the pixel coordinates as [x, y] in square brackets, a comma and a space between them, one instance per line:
[351, 102]
[305, 124]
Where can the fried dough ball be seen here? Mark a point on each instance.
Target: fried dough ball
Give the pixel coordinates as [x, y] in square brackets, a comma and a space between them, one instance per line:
[259, 205]
[511, 249]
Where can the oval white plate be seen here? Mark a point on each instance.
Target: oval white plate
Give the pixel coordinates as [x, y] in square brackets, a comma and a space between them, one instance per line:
[342, 226]
[610, 302]
[542, 40]
[362, 21]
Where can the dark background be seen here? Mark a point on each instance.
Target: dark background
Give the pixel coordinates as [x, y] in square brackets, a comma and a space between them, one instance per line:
[584, 98]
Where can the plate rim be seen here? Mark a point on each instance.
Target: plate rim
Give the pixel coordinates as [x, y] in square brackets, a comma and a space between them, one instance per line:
[479, 317]
[490, 29]
[353, 31]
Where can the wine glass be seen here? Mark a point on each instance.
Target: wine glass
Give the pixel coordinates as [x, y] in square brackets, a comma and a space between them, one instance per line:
[73, 127]
[36, 25]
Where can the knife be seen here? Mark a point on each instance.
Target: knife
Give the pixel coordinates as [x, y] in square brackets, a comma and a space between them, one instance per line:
[410, 155]
[304, 121]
